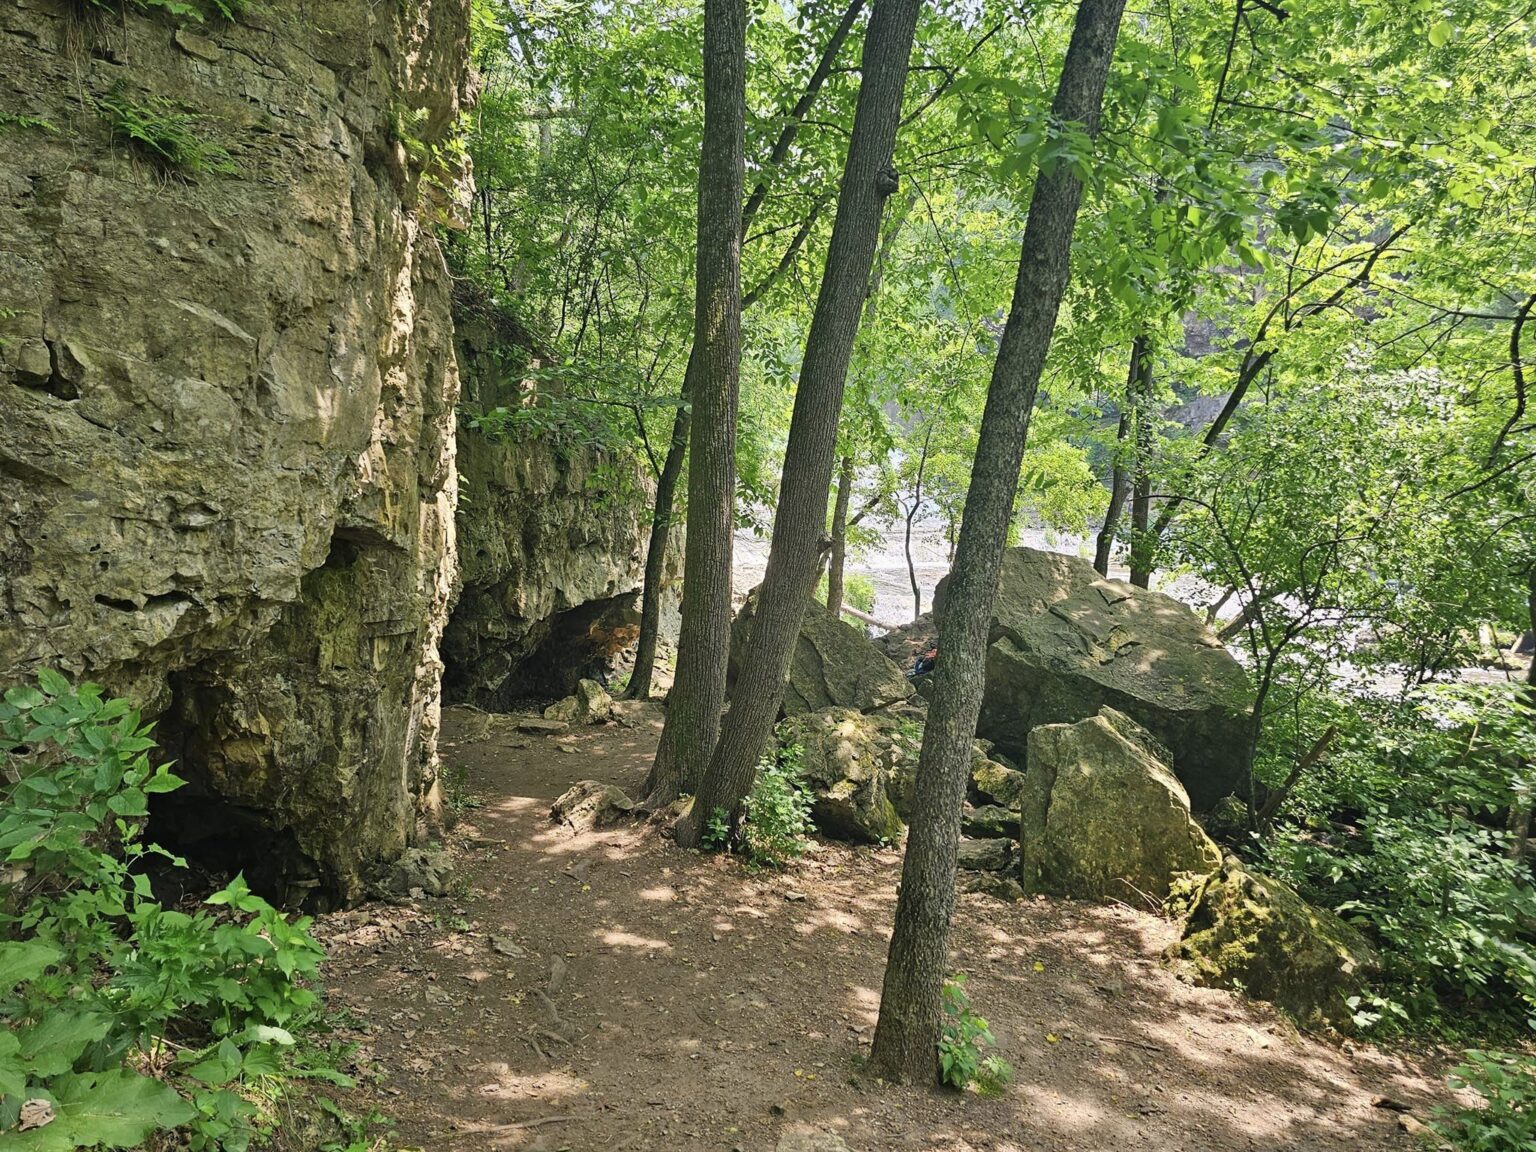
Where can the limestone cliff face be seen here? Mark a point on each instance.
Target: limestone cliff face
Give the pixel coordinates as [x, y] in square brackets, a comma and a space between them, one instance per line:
[552, 540]
[226, 408]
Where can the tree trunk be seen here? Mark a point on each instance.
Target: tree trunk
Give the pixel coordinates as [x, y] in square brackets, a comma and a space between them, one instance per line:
[868, 180]
[1120, 478]
[839, 539]
[656, 553]
[666, 486]
[698, 693]
[911, 1014]
[1143, 545]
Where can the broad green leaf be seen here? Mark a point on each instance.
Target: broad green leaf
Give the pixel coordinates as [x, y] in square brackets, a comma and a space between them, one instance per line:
[52, 683]
[55, 1042]
[116, 1109]
[25, 960]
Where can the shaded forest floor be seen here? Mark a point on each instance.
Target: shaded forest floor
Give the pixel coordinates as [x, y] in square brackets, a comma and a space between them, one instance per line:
[607, 991]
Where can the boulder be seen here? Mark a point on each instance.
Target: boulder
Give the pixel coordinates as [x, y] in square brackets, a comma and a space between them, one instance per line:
[849, 762]
[994, 855]
[999, 783]
[420, 872]
[1257, 935]
[994, 884]
[1064, 642]
[590, 804]
[591, 704]
[1104, 816]
[990, 820]
[834, 665]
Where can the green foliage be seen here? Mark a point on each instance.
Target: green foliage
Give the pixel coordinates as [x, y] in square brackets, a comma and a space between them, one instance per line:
[165, 133]
[128, 1017]
[1402, 830]
[182, 11]
[966, 1036]
[775, 818]
[1506, 1120]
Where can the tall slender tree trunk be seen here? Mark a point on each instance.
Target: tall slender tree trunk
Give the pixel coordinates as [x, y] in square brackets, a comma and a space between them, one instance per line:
[1143, 543]
[868, 179]
[839, 539]
[641, 678]
[1120, 478]
[698, 693]
[911, 1015]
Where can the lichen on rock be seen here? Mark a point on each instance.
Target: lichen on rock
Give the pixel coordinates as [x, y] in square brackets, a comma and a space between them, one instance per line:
[226, 411]
[1102, 816]
[849, 759]
[1256, 935]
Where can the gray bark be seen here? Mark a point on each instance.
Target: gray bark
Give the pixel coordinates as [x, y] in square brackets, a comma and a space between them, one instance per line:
[868, 180]
[911, 1015]
[698, 693]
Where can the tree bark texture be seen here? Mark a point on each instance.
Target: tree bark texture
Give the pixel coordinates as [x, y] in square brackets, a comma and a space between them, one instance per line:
[656, 552]
[640, 681]
[698, 693]
[839, 539]
[1120, 478]
[868, 180]
[911, 1014]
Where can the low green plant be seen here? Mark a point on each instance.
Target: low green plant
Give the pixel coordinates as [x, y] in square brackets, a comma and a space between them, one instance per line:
[962, 1062]
[1505, 1121]
[164, 133]
[126, 1017]
[1402, 830]
[182, 11]
[775, 817]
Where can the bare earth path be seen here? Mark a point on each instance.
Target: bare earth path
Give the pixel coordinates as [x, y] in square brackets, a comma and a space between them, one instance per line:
[607, 991]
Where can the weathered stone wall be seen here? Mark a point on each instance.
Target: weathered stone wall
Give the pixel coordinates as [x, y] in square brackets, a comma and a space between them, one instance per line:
[226, 407]
[552, 540]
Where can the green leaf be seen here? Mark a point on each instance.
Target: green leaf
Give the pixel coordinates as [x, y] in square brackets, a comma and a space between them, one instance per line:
[116, 1109]
[1441, 32]
[25, 960]
[52, 1046]
[52, 683]
[220, 1068]
[25, 697]
[13, 1074]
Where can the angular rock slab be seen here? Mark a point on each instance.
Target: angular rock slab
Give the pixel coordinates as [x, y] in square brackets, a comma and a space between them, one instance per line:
[834, 664]
[1064, 642]
[590, 804]
[1102, 816]
[850, 761]
[1256, 935]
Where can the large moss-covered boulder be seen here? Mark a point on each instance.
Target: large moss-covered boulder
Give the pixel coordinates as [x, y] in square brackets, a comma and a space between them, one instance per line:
[851, 763]
[1103, 816]
[834, 665]
[1257, 935]
[1064, 642]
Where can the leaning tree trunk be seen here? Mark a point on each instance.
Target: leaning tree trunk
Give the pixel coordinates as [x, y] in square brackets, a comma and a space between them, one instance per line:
[698, 693]
[1120, 478]
[656, 553]
[839, 539]
[911, 1015]
[868, 180]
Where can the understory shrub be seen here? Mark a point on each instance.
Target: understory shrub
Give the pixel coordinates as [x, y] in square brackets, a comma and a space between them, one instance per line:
[966, 1035]
[125, 1017]
[1402, 829]
[1505, 1120]
[776, 815]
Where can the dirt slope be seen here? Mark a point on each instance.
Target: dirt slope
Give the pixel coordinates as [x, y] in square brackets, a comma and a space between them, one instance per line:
[606, 991]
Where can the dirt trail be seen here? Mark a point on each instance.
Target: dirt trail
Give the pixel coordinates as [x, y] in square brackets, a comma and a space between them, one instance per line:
[607, 991]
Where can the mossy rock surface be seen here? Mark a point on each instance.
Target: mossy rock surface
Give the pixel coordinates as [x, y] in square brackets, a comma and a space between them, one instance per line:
[1103, 816]
[851, 761]
[1256, 935]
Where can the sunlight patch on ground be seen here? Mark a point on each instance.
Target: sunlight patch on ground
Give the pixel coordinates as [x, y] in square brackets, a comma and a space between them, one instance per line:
[617, 937]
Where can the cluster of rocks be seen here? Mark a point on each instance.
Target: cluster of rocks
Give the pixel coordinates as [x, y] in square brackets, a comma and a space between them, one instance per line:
[1111, 717]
